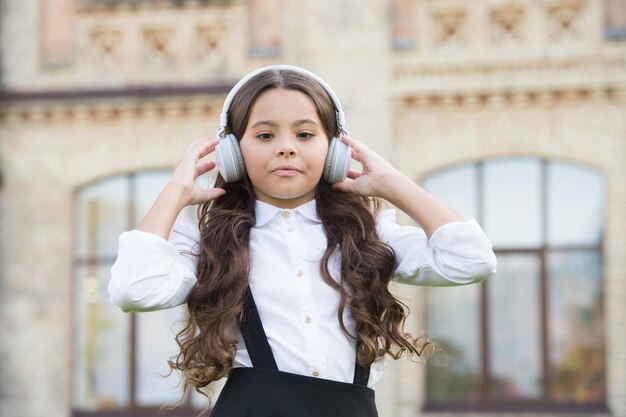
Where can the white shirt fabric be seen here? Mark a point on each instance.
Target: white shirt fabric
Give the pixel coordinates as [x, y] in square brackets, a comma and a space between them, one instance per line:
[297, 309]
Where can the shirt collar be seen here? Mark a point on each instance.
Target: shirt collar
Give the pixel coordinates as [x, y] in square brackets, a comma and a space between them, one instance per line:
[264, 212]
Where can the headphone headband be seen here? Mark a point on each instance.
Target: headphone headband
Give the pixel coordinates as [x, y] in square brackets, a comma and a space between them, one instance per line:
[341, 120]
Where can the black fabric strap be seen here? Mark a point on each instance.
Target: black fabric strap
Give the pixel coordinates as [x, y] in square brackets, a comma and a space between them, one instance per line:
[259, 348]
[254, 336]
[361, 374]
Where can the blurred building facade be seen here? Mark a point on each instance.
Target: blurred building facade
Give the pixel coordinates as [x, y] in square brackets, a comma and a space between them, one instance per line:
[511, 111]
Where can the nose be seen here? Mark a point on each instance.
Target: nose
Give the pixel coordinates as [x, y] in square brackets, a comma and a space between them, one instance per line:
[286, 149]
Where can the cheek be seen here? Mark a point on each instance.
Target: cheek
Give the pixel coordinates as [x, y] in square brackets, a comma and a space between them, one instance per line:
[319, 156]
[252, 156]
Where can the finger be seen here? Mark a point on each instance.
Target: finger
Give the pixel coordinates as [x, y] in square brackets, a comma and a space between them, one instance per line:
[198, 143]
[357, 157]
[360, 151]
[201, 143]
[200, 148]
[345, 186]
[355, 153]
[354, 144]
[213, 193]
[203, 139]
[209, 141]
[347, 139]
[354, 175]
[207, 147]
[203, 168]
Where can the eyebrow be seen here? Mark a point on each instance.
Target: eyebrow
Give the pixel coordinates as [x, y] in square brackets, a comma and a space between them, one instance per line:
[274, 124]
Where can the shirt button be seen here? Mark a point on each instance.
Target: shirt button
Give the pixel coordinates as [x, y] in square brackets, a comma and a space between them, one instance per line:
[308, 319]
[315, 372]
[300, 273]
[285, 214]
[291, 229]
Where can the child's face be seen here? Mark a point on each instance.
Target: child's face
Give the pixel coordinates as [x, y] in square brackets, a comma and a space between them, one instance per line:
[284, 148]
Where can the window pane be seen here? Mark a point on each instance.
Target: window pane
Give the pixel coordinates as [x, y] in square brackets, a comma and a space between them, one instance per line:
[514, 334]
[575, 321]
[512, 209]
[454, 324]
[102, 344]
[155, 345]
[102, 211]
[575, 205]
[456, 187]
[148, 185]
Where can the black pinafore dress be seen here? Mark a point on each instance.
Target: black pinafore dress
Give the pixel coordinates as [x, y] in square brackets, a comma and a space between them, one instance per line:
[264, 391]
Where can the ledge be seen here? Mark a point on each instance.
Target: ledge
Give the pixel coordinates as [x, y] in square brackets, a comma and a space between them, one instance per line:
[9, 96]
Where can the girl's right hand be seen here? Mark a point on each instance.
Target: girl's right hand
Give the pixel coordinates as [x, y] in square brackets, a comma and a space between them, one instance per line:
[187, 171]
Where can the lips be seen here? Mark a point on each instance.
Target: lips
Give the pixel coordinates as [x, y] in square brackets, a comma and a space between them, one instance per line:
[286, 170]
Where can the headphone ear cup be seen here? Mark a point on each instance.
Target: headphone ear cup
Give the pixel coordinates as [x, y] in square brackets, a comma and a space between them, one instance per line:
[337, 162]
[229, 159]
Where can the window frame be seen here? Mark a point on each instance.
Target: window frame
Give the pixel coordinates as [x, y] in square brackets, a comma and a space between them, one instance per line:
[486, 402]
[133, 409]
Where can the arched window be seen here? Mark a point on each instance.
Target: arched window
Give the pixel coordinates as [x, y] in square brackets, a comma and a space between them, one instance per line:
[118, 356]
[531, 337]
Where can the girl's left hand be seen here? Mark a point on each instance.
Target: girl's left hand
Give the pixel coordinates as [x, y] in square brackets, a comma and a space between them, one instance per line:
[376, 172]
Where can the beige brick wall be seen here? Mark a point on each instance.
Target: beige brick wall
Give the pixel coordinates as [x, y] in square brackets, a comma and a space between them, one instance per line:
[425, 108]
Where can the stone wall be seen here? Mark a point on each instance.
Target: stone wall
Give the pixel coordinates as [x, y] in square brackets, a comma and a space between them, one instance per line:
[473, 81]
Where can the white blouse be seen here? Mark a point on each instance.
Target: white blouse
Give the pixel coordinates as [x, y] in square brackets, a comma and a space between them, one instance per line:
[298, 310]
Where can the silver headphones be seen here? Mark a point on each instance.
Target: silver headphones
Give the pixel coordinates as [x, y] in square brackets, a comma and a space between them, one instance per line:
[228, 154]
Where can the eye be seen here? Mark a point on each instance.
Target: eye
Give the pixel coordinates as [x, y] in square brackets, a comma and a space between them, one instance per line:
[305, 135]
[264, 136]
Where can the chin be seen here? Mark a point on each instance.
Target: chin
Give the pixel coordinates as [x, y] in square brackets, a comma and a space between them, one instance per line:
[292, 196]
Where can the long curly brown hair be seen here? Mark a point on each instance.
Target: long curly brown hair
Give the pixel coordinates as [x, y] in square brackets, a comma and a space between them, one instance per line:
[208, 341]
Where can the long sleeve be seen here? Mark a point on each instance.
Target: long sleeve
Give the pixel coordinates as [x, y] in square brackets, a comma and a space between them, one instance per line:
[151, 273]
[457, 253]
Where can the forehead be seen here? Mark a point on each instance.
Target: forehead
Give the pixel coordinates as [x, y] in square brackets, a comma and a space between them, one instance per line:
[280, 103]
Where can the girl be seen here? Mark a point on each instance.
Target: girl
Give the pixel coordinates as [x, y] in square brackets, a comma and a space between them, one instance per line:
[286, 274]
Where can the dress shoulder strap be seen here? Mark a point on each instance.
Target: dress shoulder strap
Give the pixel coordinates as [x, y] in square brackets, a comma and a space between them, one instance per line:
[254, 336]
[259, 348]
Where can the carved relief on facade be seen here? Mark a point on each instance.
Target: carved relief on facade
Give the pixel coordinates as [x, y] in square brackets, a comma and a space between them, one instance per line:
[180, 107]
[564, 21]
[104, 46]
[450, 28]
[137, 41]
[506, 25]
[521, 98]
[209, 48]
[157, 46]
